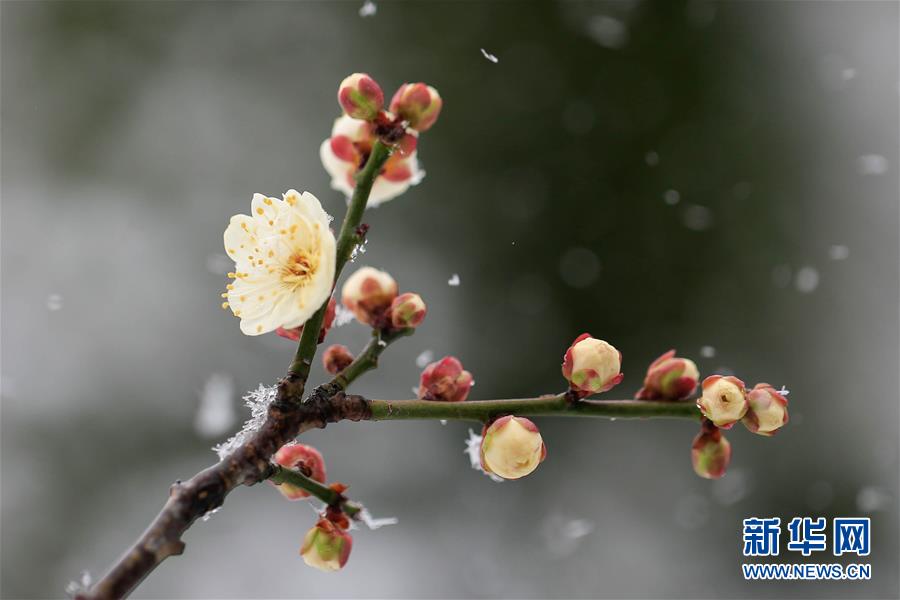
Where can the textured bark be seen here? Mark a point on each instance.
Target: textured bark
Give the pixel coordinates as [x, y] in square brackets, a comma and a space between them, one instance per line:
[205, 491]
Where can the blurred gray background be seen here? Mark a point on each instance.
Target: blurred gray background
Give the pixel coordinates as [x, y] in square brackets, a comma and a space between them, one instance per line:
[716, 177]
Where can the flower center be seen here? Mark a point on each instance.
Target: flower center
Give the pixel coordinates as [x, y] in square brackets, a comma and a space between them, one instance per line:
[299, 268]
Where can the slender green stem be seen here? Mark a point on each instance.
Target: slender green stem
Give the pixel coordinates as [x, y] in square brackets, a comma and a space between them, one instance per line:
[347, 239]
[366, 361]
[322, 492]
[558, 405]
[368, 358]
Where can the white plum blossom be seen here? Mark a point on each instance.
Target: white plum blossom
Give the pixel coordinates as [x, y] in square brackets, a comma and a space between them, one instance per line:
[347, 150]
[284, 255]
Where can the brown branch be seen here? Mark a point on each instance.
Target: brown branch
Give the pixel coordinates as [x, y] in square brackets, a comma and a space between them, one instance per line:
[287, 418]
[205, 491]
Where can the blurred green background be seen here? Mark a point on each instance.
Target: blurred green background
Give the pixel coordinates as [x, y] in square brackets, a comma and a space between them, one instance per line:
[716, 177]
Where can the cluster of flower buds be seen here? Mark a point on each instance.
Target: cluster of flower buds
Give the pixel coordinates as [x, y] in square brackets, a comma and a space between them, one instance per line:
[445, 381]
[669, 378]
[725, 401]
[327, 545]
[591, 366]
[414, 108]
[371, 295]
[304, 459]
[295, 333]
[511, 447]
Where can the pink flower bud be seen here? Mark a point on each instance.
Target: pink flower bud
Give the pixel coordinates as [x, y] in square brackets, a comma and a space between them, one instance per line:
[360, 97]
[710, 452]
[407, 310]
[445, 381]
[767, 410]
[592, 366]
[368, 293]
[669, 378]
[303, 458]
[336, 358]
[326, 546]
[295, 333]
[723, 401]
[511, 447]
[418, 104]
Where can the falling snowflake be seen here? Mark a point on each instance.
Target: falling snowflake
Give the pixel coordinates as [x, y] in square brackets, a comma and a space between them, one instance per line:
[342, 315]
[806, 280]
[219, 264]
[425, 357]
[563, 535]
[368, 9]
[258, 401]
[872, 498]
[707, 352]
[608, 31]
[215, 413]
[838, 252]
[489, 56]
[872, 164]
[697, 218]
[54, 302]
[453, 281]
[473, 449]
[784, 391]
[82, 586]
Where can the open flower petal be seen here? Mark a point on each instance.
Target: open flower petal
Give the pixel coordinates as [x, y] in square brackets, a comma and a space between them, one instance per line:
[284, 255]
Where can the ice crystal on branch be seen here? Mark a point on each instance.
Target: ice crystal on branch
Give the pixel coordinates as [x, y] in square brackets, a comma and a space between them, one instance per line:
[258, 402]
[374, 523]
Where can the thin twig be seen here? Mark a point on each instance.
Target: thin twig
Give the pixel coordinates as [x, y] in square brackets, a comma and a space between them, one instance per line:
[322, 492]
[544, 406]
